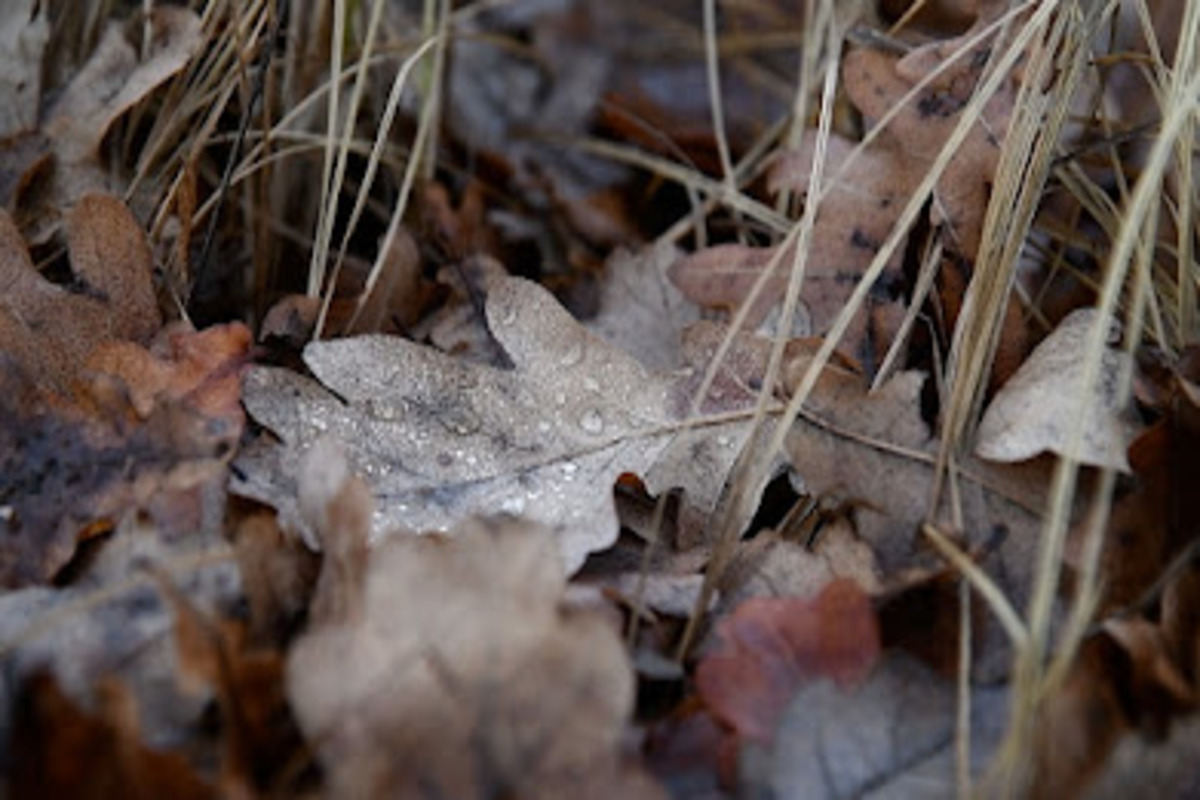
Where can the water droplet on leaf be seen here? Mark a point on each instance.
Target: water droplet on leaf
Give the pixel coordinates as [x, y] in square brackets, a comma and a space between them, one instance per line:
[592, 422]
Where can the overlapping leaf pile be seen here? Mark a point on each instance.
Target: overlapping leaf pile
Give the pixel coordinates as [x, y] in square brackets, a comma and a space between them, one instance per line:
[454, 549]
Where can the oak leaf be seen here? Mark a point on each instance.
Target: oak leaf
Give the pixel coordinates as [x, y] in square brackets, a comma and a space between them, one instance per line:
[440, 439]
[450, 666]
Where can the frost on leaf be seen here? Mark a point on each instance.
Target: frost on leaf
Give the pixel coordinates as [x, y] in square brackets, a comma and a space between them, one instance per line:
[440, 439]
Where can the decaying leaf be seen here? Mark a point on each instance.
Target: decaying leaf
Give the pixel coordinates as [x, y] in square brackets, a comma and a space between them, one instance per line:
[641, 311]
[1039, 408]
[872, 453]
[770, 566]
[1157, 515]
[62, 751]
[49, 330]
[24, 29]
[441, 439]
[157, 444]
[114, 620]
[768, 647]
[891, 736]
[863, 204]
[116, 78]
[451, 668]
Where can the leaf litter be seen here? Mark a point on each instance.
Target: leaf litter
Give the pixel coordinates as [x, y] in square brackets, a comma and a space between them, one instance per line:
[524, 645]
[441, 440]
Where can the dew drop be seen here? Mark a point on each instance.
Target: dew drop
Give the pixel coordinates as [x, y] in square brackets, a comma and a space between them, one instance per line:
[724, 441]
[543, 427]
[513, 505]
[592, 422]
[569, 469]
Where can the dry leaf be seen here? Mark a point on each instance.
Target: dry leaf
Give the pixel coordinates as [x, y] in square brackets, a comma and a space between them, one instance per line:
[861, 208]
[61, 751]
[50, 330]
[891, 736]
[769, 566]
[876, 81]
[641, 311]
[66, 468]
[768, 647]
[873, 454]
[112, 620]
[1157, 516]
[456, 671]
[115, 79]
[441, 439]
[1039, 408]
[24, 30]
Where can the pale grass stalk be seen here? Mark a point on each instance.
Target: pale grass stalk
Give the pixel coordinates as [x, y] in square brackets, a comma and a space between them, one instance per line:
[992, 594]
[441, 31]
[381, 139]
[738, 508]
[316, 265]
[715, 104]
[962, 734]
[428, 121]
[1030, 685]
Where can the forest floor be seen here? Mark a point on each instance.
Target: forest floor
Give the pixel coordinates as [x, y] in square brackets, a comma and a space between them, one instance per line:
[578, 398]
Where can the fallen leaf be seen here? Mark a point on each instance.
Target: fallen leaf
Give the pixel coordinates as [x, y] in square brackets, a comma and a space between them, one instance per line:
[1039, 408]
[62, 751]
[24, 31]
[69, 465]
[876, 81]
[768, 647]
[641, 311]
[441, 439]
[50, 330]
[258, 734]
[862, 205]
[770, 566]
[113, 620]
[893, 735]
[872, 453]
[452, 668]
[1156, 515]
[116, 78]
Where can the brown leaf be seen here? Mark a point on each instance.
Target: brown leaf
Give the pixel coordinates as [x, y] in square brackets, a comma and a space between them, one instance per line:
[876, 81]
[24, 31]
[767, 648]
[873, 453]
[68, 466]
[61, 751]
[199, 368]
[457, 671]
[115, 79]
[1159, 515]
[258, 734]
[50, 330]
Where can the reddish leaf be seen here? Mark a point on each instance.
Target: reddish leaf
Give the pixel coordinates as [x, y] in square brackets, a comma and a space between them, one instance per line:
[769, 647]
[60, 751]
